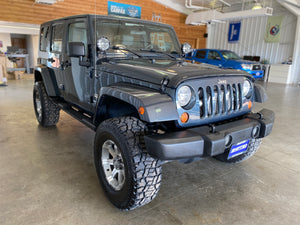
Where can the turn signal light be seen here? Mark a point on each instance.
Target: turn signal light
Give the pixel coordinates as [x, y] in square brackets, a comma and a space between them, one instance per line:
[142, 110]
[184, 117]
[249, 105]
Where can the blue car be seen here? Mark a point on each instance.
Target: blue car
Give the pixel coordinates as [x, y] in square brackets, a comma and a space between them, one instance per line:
[225, 59]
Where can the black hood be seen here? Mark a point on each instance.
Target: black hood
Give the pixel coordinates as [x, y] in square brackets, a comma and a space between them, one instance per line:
[174, 71]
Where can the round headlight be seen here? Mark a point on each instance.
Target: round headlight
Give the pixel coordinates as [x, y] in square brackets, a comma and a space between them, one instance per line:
[184, 95]
[246, 89]
[103, 44]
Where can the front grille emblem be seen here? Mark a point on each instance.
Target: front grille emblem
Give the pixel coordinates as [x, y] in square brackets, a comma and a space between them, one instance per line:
[222, 82]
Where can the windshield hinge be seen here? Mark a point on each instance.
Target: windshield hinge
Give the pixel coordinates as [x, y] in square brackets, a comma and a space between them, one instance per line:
[164, 82]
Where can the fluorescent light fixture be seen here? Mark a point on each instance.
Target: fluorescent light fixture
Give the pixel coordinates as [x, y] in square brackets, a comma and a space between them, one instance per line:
[256, 6]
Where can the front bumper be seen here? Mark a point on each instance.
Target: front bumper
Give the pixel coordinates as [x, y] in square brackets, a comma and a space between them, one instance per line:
[256, 73]
[207, 140]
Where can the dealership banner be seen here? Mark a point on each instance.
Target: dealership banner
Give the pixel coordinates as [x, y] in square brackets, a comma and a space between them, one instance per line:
[120, 9]
[234, 31]
[273, 29]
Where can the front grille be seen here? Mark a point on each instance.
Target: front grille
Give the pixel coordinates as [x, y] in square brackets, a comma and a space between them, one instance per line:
[219, 100]
[256, 67]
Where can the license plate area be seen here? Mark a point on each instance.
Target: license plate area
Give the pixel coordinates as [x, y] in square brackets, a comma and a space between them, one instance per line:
[238, 149]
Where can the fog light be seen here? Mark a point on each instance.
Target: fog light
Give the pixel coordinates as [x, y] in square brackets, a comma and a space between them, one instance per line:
[228, 140]
[255, 132]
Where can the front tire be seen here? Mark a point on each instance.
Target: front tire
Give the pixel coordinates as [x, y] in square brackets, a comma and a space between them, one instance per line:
[129, 176]
[46, 111]
[252, 149]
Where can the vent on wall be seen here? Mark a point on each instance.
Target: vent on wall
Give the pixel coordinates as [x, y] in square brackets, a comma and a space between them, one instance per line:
[47, 2]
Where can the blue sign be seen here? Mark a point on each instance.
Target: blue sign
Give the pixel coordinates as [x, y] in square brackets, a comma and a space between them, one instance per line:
[234, 31]
[238, 149]
[120, 9]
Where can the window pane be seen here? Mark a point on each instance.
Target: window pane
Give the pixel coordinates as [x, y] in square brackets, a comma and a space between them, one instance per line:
[44, 38]
[78, 33]
[200, 54]
[57, 37]
[213, 55]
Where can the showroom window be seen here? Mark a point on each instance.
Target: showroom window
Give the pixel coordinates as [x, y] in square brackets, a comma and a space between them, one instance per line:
[213, 55]
[44, 38]
[78, 33]
[57, 36]
[201, 54]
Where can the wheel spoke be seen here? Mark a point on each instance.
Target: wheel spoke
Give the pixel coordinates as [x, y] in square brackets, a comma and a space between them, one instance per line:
[114, 172]
[107, 162]
[121, 176]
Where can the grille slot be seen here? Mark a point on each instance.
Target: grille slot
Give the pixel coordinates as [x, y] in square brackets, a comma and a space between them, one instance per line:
[219, 100]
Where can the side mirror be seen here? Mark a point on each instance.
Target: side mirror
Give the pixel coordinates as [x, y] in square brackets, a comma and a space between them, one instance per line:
[76, 49]
[186, 48]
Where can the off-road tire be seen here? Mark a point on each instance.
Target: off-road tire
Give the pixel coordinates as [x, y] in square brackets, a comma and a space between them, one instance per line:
[142, 172]
[49, 111]
[252, 149]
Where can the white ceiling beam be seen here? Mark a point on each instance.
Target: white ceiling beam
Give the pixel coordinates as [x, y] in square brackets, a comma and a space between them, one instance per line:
[175, 6]
[292, 5]
[213, 15]
[19, 28]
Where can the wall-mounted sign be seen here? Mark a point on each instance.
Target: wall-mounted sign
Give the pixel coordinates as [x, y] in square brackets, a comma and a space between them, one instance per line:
[234, 31]
[120, 9]
[273, 29]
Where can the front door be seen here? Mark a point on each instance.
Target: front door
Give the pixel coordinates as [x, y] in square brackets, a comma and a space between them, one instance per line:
[77, 78]
[214, 58]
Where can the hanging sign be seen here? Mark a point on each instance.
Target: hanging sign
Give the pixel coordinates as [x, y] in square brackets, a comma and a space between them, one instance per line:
[273, 29]
[234, 31]
[120, 9]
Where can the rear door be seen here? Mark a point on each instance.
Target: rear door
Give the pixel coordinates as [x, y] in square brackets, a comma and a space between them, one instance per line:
[55, 55]
[78, 79]
[200, 56]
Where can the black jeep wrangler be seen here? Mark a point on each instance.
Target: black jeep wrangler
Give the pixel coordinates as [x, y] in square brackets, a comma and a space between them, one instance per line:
[127, 80]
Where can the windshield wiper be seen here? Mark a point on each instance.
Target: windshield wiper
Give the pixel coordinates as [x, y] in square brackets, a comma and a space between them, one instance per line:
[126, 49]
[156, 51]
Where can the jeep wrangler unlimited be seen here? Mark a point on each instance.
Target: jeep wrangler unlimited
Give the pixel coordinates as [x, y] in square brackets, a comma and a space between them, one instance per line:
[127, 80]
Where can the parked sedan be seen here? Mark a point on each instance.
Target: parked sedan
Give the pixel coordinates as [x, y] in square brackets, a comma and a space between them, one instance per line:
[225, 59]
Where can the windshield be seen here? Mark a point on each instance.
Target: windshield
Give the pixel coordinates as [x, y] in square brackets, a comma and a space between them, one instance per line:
[230, 55]
[137, 37]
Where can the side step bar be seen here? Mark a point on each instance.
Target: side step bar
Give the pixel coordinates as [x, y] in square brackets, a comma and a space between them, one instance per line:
[77, 114]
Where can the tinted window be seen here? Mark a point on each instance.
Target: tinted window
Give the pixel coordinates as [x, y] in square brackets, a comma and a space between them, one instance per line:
[57, 38]
[44, 38]
[78, 33]
[213, 55]
[189, 55]
[200, 54]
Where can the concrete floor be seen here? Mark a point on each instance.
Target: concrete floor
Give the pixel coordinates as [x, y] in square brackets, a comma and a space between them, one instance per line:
[47, 176]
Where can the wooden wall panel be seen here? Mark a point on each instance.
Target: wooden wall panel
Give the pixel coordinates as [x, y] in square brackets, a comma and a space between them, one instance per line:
[27, 11]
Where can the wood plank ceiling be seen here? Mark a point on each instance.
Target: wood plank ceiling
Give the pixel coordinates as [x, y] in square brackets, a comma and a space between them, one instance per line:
[27, 11]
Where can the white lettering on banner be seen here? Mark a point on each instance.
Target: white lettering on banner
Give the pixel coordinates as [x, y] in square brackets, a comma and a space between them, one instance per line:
[239, 148]
[117, 9]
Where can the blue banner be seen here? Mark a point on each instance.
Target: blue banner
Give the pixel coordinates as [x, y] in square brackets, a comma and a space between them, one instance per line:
[120, 9]
[234, 31]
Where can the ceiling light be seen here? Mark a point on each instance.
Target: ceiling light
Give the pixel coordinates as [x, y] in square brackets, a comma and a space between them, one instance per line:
[257, 6]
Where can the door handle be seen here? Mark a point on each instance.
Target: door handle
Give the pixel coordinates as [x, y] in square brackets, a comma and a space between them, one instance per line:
[65, 64]
[51, 60]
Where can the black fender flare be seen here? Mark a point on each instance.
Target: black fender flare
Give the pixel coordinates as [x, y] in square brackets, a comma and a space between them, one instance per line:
[260, 94]
[158, 107]
[48, 78]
